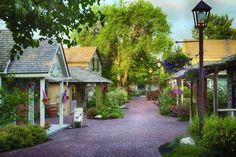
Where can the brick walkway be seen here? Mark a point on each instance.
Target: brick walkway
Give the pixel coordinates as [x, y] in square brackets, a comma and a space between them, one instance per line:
[139, 134]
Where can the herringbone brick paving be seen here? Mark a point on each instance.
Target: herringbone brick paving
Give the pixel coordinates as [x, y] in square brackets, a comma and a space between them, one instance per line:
[139, 134]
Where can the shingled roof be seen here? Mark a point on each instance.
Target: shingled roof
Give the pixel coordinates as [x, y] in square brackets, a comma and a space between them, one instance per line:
[80, 74]
[79, 54]
[6, 44]
[33, 61]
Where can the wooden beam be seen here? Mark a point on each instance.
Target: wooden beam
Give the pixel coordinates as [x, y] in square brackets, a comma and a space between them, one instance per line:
[182, 88]
[42, 106]
[215, 95]
[98, 94]
[82, 95]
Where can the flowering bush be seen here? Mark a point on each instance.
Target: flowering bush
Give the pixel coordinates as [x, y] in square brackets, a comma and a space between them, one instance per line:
[166, 101]
[175, 62]
[176, 92]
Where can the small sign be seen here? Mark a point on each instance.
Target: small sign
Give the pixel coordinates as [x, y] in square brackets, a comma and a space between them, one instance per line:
[78, 115]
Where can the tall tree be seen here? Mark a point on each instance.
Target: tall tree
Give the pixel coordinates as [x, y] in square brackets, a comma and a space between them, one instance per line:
[50, 18]
[129, 40]
[219, 27]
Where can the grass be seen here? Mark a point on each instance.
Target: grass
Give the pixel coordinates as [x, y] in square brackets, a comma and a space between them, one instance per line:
[184, 150]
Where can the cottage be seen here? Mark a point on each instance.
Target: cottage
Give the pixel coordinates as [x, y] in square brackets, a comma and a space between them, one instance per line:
[86, 67]
[34, 71]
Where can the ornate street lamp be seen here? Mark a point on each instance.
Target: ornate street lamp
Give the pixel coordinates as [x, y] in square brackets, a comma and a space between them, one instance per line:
[201, 14]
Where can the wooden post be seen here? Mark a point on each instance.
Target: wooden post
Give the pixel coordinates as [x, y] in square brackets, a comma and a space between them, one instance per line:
[215, 97]
[98, 94]
[81, 95]
[205, 96]
[177, 95]
[42, 106]
[31, 106]
[191, 103]
[182, 88]
[61, 104]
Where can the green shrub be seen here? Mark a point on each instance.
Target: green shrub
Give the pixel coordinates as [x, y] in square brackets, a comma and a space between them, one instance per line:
[218, 134]
[92, 112]
[11, 98]
[110, 108]
[193, 129]
[166, 100]
[118, 96]
[20, 136]
[91, 101]
[185, 150]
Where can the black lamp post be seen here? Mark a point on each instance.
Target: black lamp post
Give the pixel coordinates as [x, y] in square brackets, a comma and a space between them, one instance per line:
[201, 14]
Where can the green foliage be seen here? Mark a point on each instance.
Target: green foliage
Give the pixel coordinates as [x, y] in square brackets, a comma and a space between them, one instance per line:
[21, 136]
[118, 95]
[51, 19]
[222, 98]
[183, 110]
[186, 92]
[11, 98]
[219, 27]
[186, 150]
[166, 100]
[111, 107]
[132, 35]
[110, 110]
[91, 112]
[218, 134]
[91, 101]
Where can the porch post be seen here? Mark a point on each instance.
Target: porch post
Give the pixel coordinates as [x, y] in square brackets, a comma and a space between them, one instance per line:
[82, 94]
[31, 106]
[215, 97]
[182, 88]
[177, 95]
[42, 106]
[98, 94]
[61, 104]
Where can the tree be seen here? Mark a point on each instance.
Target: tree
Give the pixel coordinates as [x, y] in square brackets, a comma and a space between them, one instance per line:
[129, 40]
[219, 27]
[51, 19]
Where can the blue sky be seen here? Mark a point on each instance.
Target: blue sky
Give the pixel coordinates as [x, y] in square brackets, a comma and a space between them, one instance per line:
[179, 13]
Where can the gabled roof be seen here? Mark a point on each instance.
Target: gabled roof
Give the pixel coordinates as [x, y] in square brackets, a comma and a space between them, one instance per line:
[6, 44]
[80, 74]
[214, 50]
[79, 54]
[33, 61]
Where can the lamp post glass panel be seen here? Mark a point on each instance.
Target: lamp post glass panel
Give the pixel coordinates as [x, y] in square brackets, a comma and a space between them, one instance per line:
[201, 14]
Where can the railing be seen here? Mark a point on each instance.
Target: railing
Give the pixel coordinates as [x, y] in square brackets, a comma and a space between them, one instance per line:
[231, 110]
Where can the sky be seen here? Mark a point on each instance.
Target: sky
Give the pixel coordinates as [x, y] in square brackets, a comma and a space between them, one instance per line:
[179, 14]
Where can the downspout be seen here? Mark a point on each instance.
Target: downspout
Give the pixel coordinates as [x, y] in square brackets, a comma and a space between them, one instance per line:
[5, 70]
